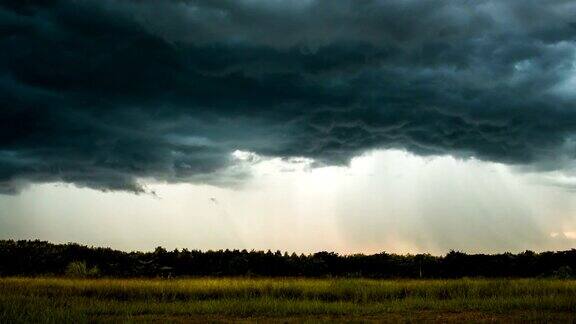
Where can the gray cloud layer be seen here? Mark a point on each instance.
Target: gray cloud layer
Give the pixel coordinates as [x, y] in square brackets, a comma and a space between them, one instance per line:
[102, 93]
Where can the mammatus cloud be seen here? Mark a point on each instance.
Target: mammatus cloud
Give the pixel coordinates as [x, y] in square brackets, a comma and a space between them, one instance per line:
[104, 93]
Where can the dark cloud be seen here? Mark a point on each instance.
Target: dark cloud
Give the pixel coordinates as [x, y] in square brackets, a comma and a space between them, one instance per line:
[104, 93]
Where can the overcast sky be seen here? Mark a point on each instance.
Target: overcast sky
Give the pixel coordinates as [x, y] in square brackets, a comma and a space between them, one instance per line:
[353, 126]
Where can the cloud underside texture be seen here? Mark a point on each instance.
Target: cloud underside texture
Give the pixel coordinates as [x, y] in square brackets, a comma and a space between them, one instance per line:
[103, 93]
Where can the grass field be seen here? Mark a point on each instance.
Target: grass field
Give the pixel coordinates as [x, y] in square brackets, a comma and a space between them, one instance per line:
[25, 300]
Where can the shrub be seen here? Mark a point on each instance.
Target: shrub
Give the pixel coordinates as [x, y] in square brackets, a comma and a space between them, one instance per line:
[79, 269]
[564, 272]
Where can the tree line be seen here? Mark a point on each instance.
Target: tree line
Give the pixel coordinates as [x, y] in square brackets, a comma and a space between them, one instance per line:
[41, 258]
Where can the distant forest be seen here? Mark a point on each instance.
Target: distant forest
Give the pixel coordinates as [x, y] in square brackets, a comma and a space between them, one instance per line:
[40, 258]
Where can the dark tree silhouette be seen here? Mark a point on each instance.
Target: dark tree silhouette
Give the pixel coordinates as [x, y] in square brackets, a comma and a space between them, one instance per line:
[32, 258]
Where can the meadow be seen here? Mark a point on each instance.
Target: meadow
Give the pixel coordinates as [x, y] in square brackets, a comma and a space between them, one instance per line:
[62, 300]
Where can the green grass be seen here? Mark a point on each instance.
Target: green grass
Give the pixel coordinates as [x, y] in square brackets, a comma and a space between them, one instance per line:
[53, 300]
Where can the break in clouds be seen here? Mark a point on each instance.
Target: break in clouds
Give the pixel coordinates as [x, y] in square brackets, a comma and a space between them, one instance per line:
[103, 93]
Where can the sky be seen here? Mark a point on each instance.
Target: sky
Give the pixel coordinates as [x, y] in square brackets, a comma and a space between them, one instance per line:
[352, 126]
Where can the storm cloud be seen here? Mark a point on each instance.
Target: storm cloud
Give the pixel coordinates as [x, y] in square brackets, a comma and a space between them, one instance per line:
[105, 93]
